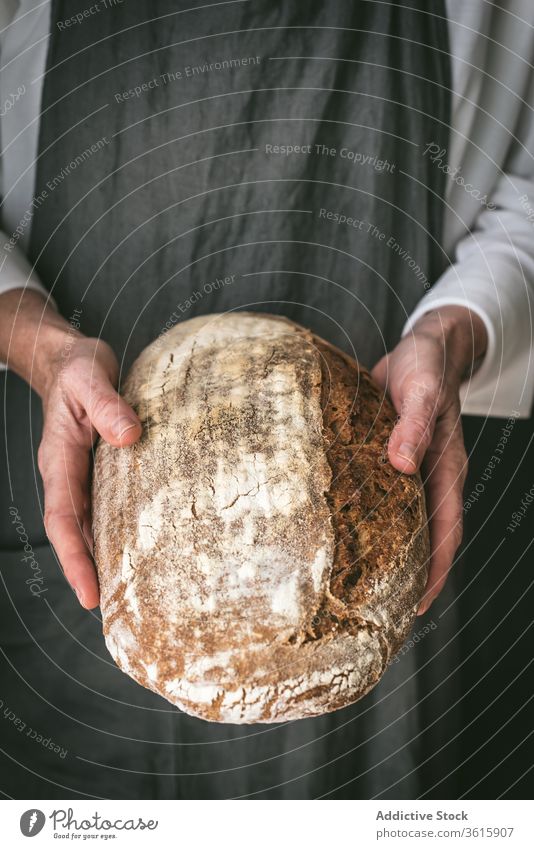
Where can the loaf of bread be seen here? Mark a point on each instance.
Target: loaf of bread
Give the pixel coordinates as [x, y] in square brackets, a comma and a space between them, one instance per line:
[259, 558]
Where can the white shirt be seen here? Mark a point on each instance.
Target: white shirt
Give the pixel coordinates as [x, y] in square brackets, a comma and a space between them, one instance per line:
[489, 222]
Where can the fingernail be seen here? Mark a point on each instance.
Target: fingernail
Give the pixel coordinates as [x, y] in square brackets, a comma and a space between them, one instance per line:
[80, 596]
[122, 426]
[408, 452]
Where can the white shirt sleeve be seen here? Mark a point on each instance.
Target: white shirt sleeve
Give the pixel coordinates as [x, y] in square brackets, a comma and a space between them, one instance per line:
[493, 275]
[22, 58]
[492, 262]
[24, 30]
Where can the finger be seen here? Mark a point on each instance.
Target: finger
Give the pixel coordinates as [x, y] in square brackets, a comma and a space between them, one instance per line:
[446, 464]
[380, 372]
[417, 402]
[64, 468]
[107, 411]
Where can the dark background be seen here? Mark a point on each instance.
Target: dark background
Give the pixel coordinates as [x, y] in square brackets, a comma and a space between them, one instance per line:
[496, 609]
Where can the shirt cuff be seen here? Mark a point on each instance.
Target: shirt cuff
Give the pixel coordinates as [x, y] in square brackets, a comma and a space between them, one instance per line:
[503, 384]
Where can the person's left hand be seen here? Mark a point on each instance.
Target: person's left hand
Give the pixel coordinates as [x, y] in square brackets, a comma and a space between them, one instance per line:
[423, 376]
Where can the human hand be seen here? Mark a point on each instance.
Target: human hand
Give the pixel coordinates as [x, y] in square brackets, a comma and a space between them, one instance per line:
[423, 376]
[75, 378]
[79, 403]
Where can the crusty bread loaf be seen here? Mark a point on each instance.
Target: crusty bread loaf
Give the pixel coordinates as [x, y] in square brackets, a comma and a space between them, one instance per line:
[259, 558]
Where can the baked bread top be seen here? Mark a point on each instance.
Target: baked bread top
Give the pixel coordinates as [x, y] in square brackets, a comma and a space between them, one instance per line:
[259, 558]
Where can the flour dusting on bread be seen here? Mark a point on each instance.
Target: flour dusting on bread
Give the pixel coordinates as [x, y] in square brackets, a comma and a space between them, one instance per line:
[258, 561]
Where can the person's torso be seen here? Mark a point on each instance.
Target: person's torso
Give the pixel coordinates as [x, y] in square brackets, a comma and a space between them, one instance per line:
[262, 155]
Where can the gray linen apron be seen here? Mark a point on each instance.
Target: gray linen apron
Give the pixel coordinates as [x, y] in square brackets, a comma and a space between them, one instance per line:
[194, 158]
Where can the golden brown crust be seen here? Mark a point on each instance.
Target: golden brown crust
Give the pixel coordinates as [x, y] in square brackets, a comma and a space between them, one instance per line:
[259, 559]
[378, 514]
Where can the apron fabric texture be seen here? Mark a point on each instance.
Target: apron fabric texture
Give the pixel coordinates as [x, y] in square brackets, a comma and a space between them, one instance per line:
[255, 155]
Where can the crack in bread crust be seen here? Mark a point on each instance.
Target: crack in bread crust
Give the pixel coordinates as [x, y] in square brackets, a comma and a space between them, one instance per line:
[258, 561]
[377, 513]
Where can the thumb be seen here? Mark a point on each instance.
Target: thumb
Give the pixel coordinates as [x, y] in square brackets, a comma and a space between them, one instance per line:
[108, 413]
[417, 403]
[380, 372]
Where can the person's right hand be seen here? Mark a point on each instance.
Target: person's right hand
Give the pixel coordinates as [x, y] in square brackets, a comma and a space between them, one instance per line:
[79, 403]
